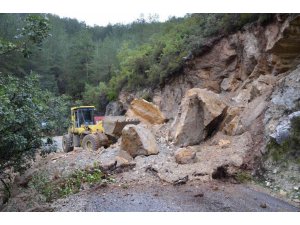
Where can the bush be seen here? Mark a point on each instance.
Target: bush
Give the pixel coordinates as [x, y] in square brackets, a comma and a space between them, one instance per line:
[27, 114]
[21, 114]
[56, 114]
[70, 185]
[243, 177]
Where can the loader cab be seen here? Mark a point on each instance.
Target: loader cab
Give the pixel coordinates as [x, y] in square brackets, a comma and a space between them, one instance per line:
[82, 116]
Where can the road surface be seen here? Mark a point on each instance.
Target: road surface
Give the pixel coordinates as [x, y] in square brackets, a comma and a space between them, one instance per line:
[218, 197]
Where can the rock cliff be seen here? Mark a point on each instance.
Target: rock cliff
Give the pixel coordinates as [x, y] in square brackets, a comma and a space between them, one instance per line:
[253, 78]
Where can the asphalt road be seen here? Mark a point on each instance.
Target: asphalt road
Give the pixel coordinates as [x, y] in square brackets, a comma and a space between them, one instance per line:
[184, 198]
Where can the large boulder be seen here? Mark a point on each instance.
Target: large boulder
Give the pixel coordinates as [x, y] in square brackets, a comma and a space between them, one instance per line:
[200, 114]
[137, 140]
[145, 111]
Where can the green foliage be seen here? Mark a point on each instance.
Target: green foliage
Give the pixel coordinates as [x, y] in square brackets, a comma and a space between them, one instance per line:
[96, 95]
[243, 177]
[288, 149]
[147, 96]
[35, 30]
[24, 108]
[63, 187]
[41, 184]
[21, 113]
[56, 114]
[164, 55]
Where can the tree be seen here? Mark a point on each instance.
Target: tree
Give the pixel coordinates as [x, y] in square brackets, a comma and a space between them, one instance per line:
[21, 106]
[20, 121]
[35, 30]
[27, 114]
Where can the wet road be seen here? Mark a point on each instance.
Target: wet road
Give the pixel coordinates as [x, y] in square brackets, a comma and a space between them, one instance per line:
[185, 198]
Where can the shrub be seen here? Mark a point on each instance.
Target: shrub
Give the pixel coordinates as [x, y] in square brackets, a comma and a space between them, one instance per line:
[70, 185]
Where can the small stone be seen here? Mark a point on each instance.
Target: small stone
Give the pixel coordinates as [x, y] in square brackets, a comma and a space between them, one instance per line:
[275, 171]
[181, 181]
[296, 200]
[215, 188]
[268, 184]
[282, 192]
[263, 205]
[199, 195]
[224, 143]
[185, 155]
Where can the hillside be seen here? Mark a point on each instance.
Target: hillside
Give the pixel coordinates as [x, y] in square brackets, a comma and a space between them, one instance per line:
[94, 64]
[253, 75]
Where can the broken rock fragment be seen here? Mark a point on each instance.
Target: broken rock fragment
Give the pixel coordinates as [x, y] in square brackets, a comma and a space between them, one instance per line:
[137, 140]
[145, 111]
[185, 155]
[114, 158]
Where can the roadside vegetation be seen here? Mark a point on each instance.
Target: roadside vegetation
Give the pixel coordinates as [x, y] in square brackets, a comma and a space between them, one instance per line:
[27, 112]
[63, 187]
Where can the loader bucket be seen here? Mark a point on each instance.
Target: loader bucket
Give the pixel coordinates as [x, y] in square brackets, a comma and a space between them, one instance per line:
[113, 125]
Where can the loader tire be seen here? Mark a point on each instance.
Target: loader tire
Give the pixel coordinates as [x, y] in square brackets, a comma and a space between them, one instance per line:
[66, 143]
[91, 142]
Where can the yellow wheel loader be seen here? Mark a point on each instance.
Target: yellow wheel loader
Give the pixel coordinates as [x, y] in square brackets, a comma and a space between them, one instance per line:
[85, 132]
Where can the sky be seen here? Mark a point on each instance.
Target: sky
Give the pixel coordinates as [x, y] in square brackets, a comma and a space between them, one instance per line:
[98, 12]
[103, 12]
[104, 18]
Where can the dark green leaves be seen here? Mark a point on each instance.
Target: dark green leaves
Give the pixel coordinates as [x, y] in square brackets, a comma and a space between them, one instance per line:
[35, 30]
[24, 107]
